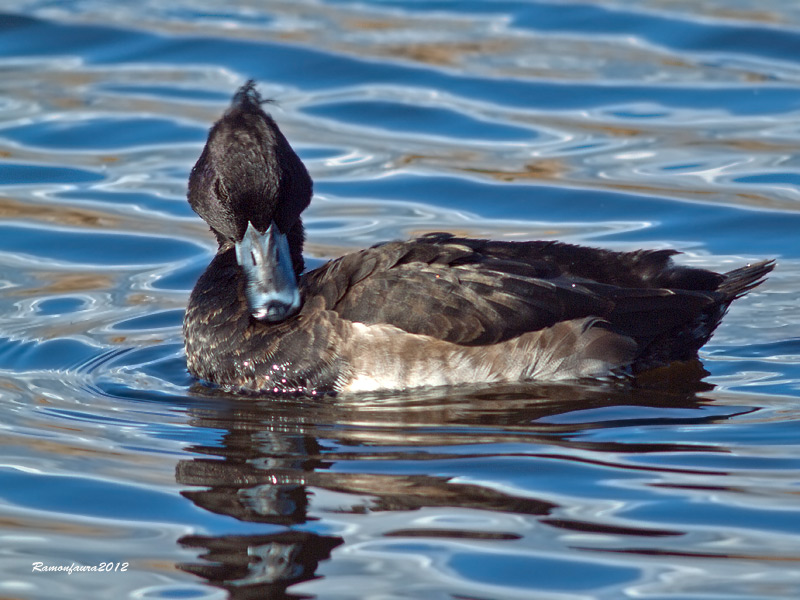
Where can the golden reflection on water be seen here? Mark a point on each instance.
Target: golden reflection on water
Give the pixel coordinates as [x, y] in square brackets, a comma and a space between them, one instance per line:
[11, 208]
[379, 466]
[61, 282]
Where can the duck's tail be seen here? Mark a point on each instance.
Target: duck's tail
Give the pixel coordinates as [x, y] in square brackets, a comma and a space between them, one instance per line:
[682, 342]
[740, 281]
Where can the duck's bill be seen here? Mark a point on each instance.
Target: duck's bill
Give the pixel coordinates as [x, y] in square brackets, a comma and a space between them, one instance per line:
[271, 285]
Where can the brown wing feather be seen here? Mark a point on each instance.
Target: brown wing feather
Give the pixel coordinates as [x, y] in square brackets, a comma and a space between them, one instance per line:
[476, 292]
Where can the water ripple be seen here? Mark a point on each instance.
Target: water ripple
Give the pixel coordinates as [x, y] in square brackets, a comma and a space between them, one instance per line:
[664, 124]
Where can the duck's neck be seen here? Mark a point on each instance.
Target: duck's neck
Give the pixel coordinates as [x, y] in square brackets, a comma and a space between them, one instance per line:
[296, 237]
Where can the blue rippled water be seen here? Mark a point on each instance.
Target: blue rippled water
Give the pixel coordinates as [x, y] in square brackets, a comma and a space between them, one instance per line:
[623, 125]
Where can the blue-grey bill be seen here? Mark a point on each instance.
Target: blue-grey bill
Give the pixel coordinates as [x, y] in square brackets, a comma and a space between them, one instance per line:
[271, 285]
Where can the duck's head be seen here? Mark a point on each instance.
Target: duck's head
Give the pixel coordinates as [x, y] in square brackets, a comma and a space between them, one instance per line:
[250, 187]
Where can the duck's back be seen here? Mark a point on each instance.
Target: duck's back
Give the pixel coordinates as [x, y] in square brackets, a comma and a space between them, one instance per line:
[480, 292]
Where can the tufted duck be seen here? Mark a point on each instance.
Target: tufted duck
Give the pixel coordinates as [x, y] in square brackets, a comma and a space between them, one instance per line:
[437, 310]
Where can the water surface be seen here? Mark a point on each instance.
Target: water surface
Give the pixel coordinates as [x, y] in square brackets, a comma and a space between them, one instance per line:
[664, 124]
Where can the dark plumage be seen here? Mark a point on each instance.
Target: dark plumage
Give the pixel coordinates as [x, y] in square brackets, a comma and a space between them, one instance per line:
[431, 311]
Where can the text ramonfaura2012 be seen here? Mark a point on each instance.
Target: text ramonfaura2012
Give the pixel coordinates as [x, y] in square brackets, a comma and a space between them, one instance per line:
[103, 567]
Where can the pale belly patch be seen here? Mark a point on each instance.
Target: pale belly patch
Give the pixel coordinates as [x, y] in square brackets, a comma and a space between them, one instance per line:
[383, 357]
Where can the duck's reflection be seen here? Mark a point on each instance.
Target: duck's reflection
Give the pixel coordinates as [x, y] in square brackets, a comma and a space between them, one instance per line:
[261, 478]
[275, 456]
[259, 566]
